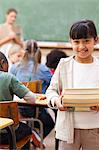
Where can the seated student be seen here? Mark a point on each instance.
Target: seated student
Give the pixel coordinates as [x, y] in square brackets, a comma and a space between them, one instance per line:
[29, 69]
[15, 55]
[53, 58]
[13, 86]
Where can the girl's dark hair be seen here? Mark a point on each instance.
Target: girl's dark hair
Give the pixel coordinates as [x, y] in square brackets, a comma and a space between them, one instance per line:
[83, 29]
[3, 60]
[3, 57]
[11, 10]
[54, 57]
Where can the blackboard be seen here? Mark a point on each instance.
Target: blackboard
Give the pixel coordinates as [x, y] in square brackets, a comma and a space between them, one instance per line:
[50, 20]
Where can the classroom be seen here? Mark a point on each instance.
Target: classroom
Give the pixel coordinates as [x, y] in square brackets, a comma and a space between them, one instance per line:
[35, 96]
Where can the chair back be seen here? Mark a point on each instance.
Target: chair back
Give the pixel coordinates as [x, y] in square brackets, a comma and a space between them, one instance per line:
[9, 109]
[35, 86]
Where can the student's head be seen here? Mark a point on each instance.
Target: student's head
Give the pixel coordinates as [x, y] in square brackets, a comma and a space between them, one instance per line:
[53, 58]
[32, 52]
[83, 37]
[3, 63]
[83, 29]
[15, 54]
[11, 15]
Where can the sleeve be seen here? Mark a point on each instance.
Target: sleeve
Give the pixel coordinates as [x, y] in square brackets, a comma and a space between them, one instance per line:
[30, 97]
[18, 88]
[54, 90]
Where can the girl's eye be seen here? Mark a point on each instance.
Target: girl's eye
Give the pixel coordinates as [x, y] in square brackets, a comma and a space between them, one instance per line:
[76, 42]
[87, 40]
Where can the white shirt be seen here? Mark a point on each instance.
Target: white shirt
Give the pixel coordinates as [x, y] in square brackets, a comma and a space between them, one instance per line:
[86, 76]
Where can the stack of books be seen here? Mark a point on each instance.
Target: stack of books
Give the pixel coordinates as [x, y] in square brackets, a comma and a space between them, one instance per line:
[80, 99]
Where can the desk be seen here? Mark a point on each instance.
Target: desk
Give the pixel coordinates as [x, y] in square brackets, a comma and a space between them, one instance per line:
[39, 103]
[6, 123]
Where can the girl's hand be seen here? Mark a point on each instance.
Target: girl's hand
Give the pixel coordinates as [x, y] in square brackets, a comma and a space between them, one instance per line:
[59, 104]
[95, 108]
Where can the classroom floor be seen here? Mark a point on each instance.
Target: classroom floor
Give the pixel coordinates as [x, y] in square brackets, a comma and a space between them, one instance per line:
[50, 141]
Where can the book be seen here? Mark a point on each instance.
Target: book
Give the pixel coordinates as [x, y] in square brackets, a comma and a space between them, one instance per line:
[80, 99]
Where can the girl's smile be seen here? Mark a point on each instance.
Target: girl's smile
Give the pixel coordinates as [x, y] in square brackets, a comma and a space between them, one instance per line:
[83, 49]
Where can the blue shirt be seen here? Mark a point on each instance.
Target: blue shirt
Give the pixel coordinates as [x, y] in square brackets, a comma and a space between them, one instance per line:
[24, 72]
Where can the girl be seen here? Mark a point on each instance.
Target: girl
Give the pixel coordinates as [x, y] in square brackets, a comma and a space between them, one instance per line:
[77, 129]
[30, 68]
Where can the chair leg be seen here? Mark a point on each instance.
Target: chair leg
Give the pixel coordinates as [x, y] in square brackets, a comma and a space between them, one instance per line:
[12, 137]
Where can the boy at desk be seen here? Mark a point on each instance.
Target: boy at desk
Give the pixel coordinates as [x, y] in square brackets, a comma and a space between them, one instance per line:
[77, 129]
[9, 86]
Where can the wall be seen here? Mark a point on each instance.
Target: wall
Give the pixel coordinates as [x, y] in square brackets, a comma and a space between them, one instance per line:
[50, 20]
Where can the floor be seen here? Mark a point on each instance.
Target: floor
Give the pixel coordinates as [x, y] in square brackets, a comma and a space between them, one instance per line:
[50, 141]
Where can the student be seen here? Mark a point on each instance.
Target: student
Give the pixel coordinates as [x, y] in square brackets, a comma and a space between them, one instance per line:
[29, 69]
[77, 129]
[53, 58]
[9, 86]
[15, 55]
[13, 86]
[10, 33]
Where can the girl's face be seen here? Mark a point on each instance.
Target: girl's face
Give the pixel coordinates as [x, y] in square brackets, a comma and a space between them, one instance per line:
[16, 57]
[11, 17]
[83, 48]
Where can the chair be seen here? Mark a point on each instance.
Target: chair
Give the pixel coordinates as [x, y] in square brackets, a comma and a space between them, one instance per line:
[9, 109]
[36, 87]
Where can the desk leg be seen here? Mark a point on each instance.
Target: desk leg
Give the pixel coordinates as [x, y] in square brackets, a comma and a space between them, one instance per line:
[12, 137]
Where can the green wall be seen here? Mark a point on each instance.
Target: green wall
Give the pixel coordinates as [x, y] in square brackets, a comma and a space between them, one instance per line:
[50, 20]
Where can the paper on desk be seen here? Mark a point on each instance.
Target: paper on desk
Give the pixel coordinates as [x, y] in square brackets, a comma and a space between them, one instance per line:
[38, 99]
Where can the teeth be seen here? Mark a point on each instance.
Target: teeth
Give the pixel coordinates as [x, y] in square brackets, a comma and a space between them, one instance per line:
[82, 51]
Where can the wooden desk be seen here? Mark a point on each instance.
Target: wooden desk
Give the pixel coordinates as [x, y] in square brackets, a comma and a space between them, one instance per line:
[37, 103]
[5, 122]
